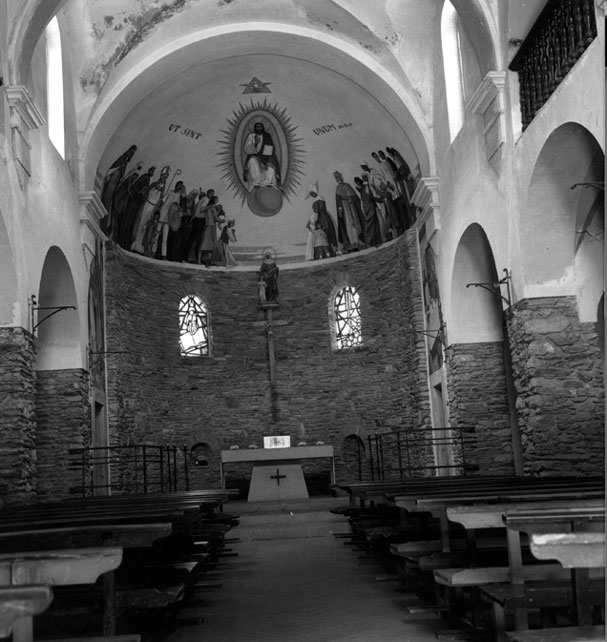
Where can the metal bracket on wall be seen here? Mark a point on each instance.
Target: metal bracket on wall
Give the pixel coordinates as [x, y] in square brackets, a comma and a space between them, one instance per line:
[94, 357]
[598, 184]
[437, 335]
[495, 287]
[35, 308]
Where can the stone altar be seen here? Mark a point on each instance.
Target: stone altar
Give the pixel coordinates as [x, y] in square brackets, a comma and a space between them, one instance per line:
[277, 472]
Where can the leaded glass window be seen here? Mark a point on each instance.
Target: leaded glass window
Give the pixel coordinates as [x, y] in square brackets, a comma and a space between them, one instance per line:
[348, 333]
[193, 327]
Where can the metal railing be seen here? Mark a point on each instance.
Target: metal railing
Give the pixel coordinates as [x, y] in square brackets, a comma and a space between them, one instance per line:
[135, 468]
[420, 452]
[559, 37]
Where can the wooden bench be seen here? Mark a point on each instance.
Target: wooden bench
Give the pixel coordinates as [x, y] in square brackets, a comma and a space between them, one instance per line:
[579, 589]
[54, 568]
[560, 634]
[483, 509]
[572, 550]
[131, 521]
[17, 602]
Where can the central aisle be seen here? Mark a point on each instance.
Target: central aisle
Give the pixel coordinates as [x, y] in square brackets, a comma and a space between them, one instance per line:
[294, 582]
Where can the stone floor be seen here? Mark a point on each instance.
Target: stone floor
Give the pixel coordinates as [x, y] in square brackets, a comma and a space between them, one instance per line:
[294, 581]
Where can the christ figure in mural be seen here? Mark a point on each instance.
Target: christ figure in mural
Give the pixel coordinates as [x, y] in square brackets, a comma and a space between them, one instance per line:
[261, 165]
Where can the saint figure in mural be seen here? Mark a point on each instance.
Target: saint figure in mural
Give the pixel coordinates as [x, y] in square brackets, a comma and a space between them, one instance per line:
[123, 233]
[350, 221]
[320, 219]
[261, 165]
[153, 201]
[371, 215]
[268, 279]
[121, 196]
[223, 255]
[111, 180]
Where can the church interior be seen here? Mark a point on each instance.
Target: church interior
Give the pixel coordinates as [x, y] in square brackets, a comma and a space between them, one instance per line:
[356, 245]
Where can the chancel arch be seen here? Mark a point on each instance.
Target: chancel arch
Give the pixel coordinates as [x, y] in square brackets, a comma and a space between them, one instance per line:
[127, 89]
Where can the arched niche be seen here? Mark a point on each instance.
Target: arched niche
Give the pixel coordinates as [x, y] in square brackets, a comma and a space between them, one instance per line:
[8, 279]
[203, 466]
[476, 313]
[58, 345]
[562, 219]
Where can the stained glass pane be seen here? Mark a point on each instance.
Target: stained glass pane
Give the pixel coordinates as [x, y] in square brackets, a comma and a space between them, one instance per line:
[193, 327]
[348, 330]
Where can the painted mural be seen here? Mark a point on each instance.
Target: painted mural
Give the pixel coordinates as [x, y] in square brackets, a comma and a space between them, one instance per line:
[432, 302]
[157, 216]
[261, 157]
[96, 348]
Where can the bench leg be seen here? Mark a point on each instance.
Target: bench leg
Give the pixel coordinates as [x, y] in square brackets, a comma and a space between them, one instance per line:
[581, 590]
[499, 622]
[521, 621]
[23, 630]
[109, 604]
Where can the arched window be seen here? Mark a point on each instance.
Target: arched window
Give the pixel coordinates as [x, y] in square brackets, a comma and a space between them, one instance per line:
[452, 65]
[346, 308]
[54, 87]
[193, 327]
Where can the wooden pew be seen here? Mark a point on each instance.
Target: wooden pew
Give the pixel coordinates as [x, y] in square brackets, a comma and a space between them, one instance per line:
[560, 634]
[506, 586]
[575, 537]
[440, 501]
[108, 521]
[54, 568]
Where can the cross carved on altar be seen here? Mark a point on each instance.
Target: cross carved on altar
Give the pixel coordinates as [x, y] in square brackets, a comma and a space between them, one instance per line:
[278, 477]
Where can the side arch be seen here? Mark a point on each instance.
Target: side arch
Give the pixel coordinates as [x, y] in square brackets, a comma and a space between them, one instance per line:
[475, 312]
[59, 336]
[564, 209]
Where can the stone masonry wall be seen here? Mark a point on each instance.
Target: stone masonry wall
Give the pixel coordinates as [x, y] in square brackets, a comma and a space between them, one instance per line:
[157, 395]
[478, 398]
[64, 422]
[17, 416]
[559, 379]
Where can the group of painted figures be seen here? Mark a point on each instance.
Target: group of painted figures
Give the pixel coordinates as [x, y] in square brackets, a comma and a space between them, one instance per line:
[158, 219]
[380, 211]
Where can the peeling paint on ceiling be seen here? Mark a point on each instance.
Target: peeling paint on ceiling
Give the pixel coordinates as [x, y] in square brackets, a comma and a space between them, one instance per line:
[136, 28]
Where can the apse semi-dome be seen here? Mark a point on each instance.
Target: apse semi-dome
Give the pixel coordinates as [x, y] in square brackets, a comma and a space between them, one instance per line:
[266, 135]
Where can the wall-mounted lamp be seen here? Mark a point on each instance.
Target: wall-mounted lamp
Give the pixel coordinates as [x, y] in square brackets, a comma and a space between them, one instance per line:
[36, 308]
[495, 287]
[596, 184]
[437, 335]
[100, 355]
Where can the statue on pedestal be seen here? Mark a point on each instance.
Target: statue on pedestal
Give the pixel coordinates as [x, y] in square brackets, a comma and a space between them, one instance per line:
[268, 279]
